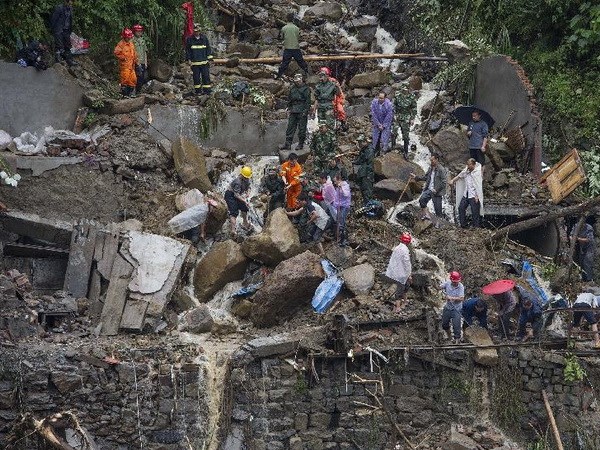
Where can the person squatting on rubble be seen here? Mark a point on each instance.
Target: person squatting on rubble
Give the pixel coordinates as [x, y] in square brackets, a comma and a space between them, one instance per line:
[399, 269]
[382, 116]
[323, 147]
[365, 175]
[585, 252]
[318, 221]
[477, 132]
[454, 294]
[235, 197]
[339, 113]
[290, 33]
[587, 304]
[141, 49]
[34, 55]
[299, 102]
[342, 203]
[405, 110]
[507, 302]
[272, 186]
[290, 174]
[475, 308]
[198, 53]
[469, 193]
[325, 92]
[61, 24]
[435, 187]
[127, 57]
[530, 314]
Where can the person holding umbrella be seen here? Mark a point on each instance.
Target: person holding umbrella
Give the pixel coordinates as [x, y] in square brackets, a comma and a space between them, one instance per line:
[503, 292]
[477, 133]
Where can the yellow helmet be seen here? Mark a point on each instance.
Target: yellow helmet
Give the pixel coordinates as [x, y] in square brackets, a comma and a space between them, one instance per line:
[246, 172]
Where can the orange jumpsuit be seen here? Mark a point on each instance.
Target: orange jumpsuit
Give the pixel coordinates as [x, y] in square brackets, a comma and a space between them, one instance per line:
[292, 177]
[338, 103]
[125, 53]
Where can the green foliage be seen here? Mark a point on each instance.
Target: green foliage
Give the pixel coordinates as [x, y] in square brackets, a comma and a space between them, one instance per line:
[573, 371]
[301, 386]
[591, 164]
[213, 114]
[549, 270]
[101, 22]
[90, 119]
[508, 406]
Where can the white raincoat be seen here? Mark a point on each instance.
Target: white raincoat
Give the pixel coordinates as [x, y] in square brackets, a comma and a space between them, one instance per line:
[461, 186]
[399, 268]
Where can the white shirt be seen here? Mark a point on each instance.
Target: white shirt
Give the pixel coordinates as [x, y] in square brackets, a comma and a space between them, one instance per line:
[432, 177]
[322, 217]
[471, 191]
[588, 299]
[399, 268]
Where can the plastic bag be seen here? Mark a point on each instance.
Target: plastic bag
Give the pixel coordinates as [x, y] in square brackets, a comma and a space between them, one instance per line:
[188, 199]
[328, 290]
[79, 45]
[188, 219]
[27, 143]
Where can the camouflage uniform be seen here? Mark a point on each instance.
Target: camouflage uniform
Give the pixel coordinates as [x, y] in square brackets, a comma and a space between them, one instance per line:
[299, 105]
[273, 186]
[365, 174]
[324, 94]
[405, 110]
[323, 147]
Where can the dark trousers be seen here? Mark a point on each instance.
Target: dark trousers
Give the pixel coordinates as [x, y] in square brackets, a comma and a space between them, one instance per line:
[62, 44]
[366, 187]
[201, 75]
[535, 321]
[288, 55]
[462, 212]
[141, 74]
[585, 259]
[437, 201]
[454, 316]
[296, 121]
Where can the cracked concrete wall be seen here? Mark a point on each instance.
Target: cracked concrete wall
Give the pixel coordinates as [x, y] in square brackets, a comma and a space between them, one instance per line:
[32, 100]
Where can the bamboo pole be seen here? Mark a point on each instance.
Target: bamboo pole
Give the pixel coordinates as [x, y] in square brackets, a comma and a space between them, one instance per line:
[552, 421]
[333, 57]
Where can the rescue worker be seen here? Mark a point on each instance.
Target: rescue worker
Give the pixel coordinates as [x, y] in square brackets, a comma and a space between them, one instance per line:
[507, 302]
[342, 203]
[469, 193]
[125, 53]
[141, 48]
[475, 307]
[365, 174]
[435, 187]
[299, 101]
[531, 313]
[290, 34]
[382, 115]
[585, 306]
[405, 109]
[325, 92]
[290, 174]
[235, 197]
[61, 24]
[198, 53]
[338, 102]
[399, 269]
[33, 54]
[323, 147]
[335, 167]
[318, 220]
[585, 252]
[454, 294]
[272, 186]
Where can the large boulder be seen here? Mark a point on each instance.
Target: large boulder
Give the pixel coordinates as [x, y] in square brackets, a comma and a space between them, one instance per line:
[218, 215]
[359, 279]
[458, 50]
[502, 150]
[432, 107]
[123, 106]
[278, 241]
[287, 289]
[370, 80]
[330, 11]
[365, 27]
[197, 320]
[391, 189]
[257, 71]
[453, 146]
[486, 356]
[269, 85]
[159, 70]
[393, 165]
[245, 49]
[191, 164]
[223, 264]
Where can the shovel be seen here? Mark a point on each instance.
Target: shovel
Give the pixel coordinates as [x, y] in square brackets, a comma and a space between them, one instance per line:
[399, 200]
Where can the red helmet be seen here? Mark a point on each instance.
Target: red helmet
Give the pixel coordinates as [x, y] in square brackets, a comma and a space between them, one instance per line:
[405, 238]
[455, 277]
[137, 27]
[127, 33]
[327, 70]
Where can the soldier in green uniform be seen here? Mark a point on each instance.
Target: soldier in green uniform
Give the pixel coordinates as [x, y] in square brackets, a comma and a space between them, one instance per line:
[299, 100]
[336, 167]
[323, 147]
[272, 185]
[365, 174]
[405, 109]
[325, 91]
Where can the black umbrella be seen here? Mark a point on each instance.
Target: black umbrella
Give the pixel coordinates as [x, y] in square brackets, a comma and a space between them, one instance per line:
[464, 115]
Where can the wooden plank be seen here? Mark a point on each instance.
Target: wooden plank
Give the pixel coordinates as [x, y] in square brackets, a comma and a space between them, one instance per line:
[116, 296]
[134, 315]
[109, 250]
[81, 255]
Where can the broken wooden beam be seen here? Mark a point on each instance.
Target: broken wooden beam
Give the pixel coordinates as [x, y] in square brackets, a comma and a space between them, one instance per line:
[34, 251]
[81, 255]
[545, 218]
[555, 431]
[116, 296]
[333, 57]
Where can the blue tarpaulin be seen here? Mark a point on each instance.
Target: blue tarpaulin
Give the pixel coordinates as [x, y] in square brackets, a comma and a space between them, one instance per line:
[329, 288]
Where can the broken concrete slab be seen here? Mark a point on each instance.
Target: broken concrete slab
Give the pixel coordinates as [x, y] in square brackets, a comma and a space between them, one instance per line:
[480, 337]
[31, 225]
[81, 255]
[116, 296]
[134, 315]
[40, 164]
[107, 245]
